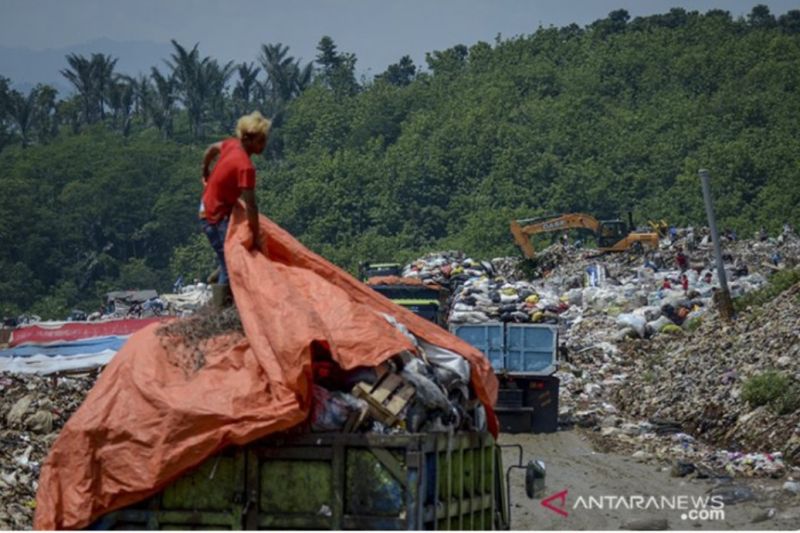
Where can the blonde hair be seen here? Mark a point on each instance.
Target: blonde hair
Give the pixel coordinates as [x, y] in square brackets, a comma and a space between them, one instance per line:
[253, 124]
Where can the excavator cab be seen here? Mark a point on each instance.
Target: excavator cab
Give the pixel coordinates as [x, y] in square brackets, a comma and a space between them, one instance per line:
[611, 232]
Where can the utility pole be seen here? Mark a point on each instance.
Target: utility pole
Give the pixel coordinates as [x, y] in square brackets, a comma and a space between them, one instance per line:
[724, 296]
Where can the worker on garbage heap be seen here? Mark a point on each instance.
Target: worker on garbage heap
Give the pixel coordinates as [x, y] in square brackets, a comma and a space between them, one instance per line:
[233, 176]
[740, 269]
[682, 260]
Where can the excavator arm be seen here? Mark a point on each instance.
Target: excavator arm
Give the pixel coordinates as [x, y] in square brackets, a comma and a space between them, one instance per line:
[522, 233]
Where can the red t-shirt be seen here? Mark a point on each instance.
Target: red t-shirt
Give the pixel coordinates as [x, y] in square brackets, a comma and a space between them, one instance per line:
[233, 172]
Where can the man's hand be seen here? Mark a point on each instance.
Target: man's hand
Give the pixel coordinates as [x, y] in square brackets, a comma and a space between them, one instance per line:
[255, 242]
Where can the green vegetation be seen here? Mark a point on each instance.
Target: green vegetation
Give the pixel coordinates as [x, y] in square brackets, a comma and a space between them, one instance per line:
[778, 282]
[100, 188]
[772, 388]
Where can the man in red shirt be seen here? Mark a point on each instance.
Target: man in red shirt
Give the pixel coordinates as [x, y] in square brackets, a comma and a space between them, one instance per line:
[233, 176]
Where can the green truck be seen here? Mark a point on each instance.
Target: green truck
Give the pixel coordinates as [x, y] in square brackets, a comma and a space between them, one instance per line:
[340, 481]
[428, 301]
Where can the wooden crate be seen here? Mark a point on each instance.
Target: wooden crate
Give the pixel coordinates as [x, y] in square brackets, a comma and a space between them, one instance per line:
[385, 400]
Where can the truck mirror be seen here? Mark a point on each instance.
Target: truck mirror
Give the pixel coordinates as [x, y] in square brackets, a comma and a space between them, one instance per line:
[535, 479]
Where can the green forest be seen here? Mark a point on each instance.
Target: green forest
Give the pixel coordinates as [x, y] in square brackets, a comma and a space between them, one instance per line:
[100, 187]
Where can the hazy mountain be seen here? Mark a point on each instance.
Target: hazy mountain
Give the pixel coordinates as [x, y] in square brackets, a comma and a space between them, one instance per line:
[26, 67]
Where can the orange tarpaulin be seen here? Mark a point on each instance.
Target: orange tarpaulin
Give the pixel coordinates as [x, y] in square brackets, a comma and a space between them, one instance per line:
[397, 280]
[147, 420]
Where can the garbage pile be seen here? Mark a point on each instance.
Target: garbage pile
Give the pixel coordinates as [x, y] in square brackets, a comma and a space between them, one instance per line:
[653, 369]
[406, 394]
[188, 300]
[483, 291]
[33, 410]
[483, 300]
[699, 380]
[447, 269]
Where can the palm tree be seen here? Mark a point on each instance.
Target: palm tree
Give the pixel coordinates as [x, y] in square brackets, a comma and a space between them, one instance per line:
[103, 76]
[286, 78]
[303, 77]
[5, 99]
[22, 112]
[186, 70]
[80, 75]
[141, 87]
[247, 85]
[278, 67]
[160, 103]
[246, 91]
[200, 84]
[121, 101]
[215, 78]
[46, 113]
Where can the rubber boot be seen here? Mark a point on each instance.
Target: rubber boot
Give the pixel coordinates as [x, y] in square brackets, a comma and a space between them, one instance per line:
[221, 296]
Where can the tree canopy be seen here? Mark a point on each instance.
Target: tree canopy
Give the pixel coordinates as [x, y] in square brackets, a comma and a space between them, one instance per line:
[101, 187]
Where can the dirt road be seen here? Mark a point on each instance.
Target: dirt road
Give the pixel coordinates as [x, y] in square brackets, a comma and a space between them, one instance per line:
[611, 479]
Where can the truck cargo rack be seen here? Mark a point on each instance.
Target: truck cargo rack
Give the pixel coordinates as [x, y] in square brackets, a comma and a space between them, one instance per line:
[335, 481]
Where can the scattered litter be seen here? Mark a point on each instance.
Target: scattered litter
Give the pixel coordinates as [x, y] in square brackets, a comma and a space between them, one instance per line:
[34, 409]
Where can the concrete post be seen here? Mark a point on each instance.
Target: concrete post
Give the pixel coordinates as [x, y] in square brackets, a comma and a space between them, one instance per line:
[724, 297]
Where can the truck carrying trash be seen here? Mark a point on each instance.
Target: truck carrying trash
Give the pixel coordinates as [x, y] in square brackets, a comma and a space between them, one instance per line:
[335, 481]
[317, 351]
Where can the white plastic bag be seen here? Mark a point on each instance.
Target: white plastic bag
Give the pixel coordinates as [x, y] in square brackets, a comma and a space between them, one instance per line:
[637, 322]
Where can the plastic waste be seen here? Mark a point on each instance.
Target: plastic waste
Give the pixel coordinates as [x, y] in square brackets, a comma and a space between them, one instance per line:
[658, 324]
[331, 410]
[446, 359]
[634, 321]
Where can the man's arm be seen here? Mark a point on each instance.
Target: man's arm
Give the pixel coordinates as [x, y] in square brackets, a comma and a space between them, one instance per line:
[249, 197]
[211, 153]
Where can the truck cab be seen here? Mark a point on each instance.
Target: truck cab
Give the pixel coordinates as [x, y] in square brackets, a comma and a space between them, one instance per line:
[426, 300]
[368, 270]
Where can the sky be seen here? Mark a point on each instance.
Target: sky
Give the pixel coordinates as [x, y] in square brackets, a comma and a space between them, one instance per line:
[378, 32]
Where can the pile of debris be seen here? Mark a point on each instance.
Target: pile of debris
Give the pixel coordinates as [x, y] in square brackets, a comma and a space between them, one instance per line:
[699, 379]
[652, 369]
[447, 269]
[185, 340]
[406, 394]
[655, 371]
[188, 300]
[33, 410]
[483, 299]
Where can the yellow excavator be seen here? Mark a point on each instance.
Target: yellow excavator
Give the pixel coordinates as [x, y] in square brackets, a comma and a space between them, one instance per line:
[611, 235]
